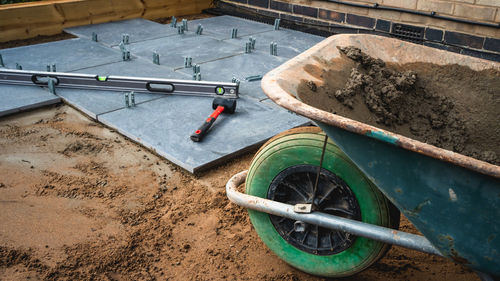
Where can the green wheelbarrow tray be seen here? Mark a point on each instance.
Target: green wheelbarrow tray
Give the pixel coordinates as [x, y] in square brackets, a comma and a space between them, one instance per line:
[451, 199]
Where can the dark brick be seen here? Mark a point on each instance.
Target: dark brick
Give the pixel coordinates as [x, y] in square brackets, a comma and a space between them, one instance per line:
[492, 44]
[444, 47]
[267, 13]
[360, 20]
[436, 45]
[331, 15]
[454, 49]
[433, 34]
[291, 18]
[373, 32]
[259, 3]
[462, 39]
[322, 33]
[305, 10]
[383, 25]
[365, 31]
[316, 22]
[281, 6]
[385, 34]
[342, 29]
[481, 55]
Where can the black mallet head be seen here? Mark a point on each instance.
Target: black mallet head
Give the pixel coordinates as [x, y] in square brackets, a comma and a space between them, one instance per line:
[221, 106]
[228, 104]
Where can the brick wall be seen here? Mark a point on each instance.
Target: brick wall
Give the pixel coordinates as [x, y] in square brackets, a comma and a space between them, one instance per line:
[470, 39]
[481, 10]
[487, 11]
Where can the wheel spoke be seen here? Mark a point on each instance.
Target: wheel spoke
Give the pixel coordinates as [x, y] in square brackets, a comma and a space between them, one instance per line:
[282, 220]
[311, 183]
[342, 238]
[305, 236]
[330, 236]
[295, 185]
[294, 188]
[323, 198]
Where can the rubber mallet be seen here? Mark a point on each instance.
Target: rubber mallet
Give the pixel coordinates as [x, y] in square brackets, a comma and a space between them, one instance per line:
[220, 105]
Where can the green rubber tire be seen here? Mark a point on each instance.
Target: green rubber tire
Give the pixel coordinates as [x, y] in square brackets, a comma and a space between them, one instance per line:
[301, 147]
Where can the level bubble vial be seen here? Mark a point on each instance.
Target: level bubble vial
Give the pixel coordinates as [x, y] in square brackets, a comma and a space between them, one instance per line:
[220, 90]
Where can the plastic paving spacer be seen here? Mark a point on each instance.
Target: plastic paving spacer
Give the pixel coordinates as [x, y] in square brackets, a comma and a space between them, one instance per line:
[276, 24]
[199, 29]
[180, 29]
[125, 55]
[125, 38]
[185, 24]
[234, 33]
[18, 66]
[235, 80]
[122, 47]
[253, 78]
[188, 61]
[125, 52]
[252, 42]
[156, 58]
[132, 99]
[94, 36]
[1, 61]
[248, 47]
[51, 83]
[51, 68]
[196, 68]
[127, 100]
[273, 48]
[173, 23]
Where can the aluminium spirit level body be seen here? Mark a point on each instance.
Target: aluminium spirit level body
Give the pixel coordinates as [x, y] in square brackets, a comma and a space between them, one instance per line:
[119, 83]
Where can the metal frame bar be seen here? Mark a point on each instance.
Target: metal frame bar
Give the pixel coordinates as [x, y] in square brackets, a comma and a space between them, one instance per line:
[119, 83]
[379, 233]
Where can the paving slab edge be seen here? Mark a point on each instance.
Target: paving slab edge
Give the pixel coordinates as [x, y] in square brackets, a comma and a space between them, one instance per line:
[30, 107]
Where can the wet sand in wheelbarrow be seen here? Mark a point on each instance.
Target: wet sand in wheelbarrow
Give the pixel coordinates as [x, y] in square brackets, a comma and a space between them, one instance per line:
[452, 107]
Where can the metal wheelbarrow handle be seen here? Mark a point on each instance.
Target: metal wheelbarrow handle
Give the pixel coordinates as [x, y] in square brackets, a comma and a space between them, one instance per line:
[382, 234]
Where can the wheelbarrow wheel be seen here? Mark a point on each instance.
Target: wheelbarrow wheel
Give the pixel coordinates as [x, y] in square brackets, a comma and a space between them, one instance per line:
[284, 170]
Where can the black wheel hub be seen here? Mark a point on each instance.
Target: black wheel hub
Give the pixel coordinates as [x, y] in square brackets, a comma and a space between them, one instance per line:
[295, 185]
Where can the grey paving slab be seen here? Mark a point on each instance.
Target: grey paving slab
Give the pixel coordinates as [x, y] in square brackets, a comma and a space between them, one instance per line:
[290, 42]
[138, 67]
[240, 66]
[221, 27]
[68, 55]
[14, 99]
[173, 49]
[165, 125]
[94, 102]
[111, 33]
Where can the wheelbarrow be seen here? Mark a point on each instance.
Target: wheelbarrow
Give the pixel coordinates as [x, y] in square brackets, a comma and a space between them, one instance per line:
[328, 201]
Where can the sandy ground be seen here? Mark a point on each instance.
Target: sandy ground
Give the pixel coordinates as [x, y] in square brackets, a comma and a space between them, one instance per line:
[78, 201]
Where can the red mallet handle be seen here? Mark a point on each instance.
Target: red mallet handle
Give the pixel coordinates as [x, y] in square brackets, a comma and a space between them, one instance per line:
[203, 129]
